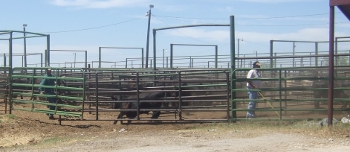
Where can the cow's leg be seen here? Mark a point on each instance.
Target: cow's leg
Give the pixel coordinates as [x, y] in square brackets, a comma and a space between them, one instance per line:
[119, 117]
[156, 105]
[155, 114]
[131, 115]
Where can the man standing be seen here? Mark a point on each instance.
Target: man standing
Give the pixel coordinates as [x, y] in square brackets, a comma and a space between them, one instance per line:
[253, 84]
[48, 91]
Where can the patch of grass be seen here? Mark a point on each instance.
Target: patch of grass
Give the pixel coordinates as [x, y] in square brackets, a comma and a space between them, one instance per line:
[49, 142]
[59, 140]
[53, 140]
[11, 116]
[45, 143]
[7, 118]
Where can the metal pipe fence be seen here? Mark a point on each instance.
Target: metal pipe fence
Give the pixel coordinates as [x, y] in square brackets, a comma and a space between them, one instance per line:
[209, 92]
[292, 93]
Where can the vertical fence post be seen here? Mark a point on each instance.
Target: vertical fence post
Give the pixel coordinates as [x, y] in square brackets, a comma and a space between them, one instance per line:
[302, 62]
[233, 66]
[310, 60]
[280, 92]
[294, 54]
[167, 62]
[275, 60]
[88, 70]
[96, 92]
[271, 53]
[216, 56]
[47, 61]
[5, 63]
[171, 56]
[285, 92]
[331, 67]
[138, 95]
[10, 73]
[99, 57]
[336, 51]
[192, 63]
[180, 98]
[244, 61]
[227, 74]
[316, 53]
[142, 62]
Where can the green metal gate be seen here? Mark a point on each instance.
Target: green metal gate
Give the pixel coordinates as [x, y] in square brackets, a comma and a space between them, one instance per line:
[24, 84]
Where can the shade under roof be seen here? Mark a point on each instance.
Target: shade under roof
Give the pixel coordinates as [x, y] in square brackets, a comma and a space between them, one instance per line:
[343, 5]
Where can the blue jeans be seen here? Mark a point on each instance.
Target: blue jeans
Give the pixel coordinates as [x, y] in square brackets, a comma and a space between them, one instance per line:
[253, 95]
[51, 100]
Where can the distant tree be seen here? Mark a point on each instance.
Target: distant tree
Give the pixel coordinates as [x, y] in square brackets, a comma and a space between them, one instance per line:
[342, 61]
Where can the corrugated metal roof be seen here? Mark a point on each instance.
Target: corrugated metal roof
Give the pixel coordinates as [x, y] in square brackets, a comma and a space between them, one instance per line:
[343, 5]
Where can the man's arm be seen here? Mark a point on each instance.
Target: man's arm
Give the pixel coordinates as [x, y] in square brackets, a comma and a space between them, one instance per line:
[251, 84]
[42, 83]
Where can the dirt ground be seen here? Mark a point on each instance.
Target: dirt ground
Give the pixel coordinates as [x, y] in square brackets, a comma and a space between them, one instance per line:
[25, 131]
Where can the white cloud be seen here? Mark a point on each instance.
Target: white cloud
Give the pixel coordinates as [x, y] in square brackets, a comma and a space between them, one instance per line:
[98, 3]
[219, 35]
[308, 34]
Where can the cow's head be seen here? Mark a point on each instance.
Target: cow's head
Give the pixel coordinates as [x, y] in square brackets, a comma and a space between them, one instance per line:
[114, 97]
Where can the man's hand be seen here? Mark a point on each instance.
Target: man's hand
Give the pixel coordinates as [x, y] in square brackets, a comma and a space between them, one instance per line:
[42, 92]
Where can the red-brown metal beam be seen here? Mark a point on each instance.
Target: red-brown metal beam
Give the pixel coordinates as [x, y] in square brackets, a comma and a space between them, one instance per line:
[331, 66]
[338, 2]
[344, 6]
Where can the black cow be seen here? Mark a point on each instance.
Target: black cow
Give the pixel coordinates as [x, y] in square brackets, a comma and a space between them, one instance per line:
[142, 105]
[16, 88]
[149, 105]
[183, 94]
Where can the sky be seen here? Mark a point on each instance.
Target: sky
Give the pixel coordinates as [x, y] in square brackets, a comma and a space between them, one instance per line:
[86, 25]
